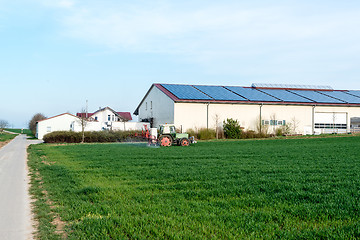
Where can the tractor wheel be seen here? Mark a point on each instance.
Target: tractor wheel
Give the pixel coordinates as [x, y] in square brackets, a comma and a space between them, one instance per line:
[165, 141]
[185, 142]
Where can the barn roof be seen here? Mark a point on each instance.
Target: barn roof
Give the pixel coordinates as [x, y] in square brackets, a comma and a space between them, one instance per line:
[57, 116]
[259, 93]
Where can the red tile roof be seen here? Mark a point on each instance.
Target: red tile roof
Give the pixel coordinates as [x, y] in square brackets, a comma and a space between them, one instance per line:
[84, 114]
[125, 115]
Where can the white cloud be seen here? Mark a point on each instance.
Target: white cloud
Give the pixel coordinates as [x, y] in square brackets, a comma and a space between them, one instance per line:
[225, 37]
[217, 29]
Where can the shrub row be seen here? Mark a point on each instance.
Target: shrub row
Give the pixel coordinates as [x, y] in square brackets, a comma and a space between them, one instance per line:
[202, 133]
[102, 136]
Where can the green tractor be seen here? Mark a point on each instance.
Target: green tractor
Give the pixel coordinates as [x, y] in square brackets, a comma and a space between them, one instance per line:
[168, 136]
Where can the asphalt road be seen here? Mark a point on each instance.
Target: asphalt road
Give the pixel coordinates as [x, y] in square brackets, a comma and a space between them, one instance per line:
[15, 212]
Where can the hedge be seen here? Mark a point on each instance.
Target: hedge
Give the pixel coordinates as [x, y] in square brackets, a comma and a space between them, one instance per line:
[101, 136]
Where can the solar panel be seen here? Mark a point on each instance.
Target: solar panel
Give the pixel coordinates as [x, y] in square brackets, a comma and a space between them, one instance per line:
[270, 85]
[316, 96]
[219, 93]
[285, 95]
[354, 92]
[186, 92]
[253, 94]
[343, 96]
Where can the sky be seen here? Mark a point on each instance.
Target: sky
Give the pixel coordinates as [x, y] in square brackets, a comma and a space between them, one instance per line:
[55, 55]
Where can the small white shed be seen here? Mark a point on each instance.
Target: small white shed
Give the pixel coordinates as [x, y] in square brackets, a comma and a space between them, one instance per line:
[62, 122]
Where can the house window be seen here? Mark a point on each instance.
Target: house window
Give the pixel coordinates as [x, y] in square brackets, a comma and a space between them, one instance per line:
[113, 117]
[274, 122]
[108, 117]
[48, 129]
[151, 105]
[95, 118]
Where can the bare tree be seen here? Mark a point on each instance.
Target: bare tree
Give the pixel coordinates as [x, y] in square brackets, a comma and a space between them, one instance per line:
[273, 120]
[294, 124]
[217, 122]
[261, 128]
[83, 121]
[32, 123]
[3, 124]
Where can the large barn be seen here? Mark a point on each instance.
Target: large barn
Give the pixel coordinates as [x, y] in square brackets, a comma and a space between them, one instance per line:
[304, 109]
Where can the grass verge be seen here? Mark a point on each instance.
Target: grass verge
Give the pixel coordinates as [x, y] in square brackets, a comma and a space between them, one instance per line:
[4, 137]
[287, 188]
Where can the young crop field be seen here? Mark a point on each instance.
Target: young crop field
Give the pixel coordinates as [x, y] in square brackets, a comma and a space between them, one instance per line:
[288, 188]
[6, 137]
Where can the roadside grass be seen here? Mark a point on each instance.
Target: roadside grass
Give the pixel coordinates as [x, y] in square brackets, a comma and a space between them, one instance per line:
[6, 137]
[25, 131]
[284, 188]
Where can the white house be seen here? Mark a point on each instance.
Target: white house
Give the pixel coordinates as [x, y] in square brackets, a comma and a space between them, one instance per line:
[308, 109]
[103, 119]
[111, 120]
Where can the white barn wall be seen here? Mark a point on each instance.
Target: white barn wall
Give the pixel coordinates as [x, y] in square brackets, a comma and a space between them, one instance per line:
[301, 116]
[162, 109]
[59, 123]
[128, 126]
[194, 115]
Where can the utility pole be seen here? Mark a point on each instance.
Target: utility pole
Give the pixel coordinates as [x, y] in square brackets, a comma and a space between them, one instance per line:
[86, 108]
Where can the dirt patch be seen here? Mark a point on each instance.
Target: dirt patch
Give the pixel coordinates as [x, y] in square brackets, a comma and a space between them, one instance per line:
[57, 222]
[4, 143]
[60, 226]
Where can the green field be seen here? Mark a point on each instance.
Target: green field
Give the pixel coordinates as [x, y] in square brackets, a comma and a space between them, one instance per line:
[6, 137]
[292, 189]
[24, 131]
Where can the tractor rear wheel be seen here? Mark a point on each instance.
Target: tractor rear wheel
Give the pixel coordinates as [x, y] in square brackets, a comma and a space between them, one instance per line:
[185, 142]
[165, 141]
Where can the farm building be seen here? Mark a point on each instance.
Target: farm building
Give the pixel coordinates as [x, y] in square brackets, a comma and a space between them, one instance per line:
[301, 109]
[103, 119]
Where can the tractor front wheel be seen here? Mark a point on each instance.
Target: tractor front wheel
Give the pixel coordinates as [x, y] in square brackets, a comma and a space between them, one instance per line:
[165, 141]
[185, 142]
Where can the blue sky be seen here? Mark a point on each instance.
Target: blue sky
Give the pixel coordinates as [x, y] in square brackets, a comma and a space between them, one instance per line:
[57, 54]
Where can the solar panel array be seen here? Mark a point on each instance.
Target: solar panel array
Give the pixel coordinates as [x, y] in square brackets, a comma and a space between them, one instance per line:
[343, 96]
[316, 96]
[186, 92]
[220, 93]
[253, 94]
[270, 85]
[354, 93]
[286, 96]
[230, 93]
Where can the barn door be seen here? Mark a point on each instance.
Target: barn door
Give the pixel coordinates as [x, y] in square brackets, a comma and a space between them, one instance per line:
[334, 122]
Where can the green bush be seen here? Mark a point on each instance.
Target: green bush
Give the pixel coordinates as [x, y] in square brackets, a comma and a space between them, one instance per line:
[279, 131]
[232, 128]
[102, 136]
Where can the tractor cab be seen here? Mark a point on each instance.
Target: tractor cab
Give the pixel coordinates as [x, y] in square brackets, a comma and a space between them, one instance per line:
[167, 129]
[168, 136]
